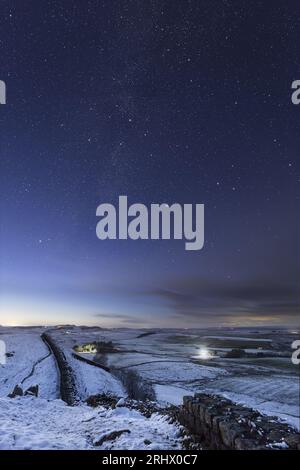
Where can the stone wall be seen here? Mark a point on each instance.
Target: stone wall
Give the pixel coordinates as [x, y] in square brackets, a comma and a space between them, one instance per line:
[218, 423]
[90, 362]
[68, 390]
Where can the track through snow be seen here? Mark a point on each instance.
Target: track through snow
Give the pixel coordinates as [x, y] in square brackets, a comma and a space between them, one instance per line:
[35, 423]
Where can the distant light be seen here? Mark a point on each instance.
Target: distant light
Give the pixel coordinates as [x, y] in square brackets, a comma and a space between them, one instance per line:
[204, 353]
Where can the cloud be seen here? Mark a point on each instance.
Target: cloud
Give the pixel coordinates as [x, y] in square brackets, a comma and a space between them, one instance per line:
[118, 318]
[198, 298]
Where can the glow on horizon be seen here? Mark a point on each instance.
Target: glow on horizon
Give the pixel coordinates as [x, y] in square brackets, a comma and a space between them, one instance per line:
[36, 312]
[28, 313]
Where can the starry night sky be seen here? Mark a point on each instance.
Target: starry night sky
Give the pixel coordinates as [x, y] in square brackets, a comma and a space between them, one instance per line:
[163, 101]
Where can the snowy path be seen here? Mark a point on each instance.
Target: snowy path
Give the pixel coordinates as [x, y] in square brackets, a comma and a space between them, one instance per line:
[34, 423]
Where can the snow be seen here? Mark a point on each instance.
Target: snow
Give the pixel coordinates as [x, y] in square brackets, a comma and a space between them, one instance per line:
[162, 360]
[168, 394]
[47, 382]
[247, 350]
[286, 413]
[133, 359]
[28, 349]
[240, 338]
[92, 380]
[173, 371]
[278, 445]
[34, 423]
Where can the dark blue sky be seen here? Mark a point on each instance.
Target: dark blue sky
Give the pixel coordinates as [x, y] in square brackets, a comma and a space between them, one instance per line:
[163, 101]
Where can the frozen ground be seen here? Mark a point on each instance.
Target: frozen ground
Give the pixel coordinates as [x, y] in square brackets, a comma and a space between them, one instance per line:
[166, 361]
[34, 423]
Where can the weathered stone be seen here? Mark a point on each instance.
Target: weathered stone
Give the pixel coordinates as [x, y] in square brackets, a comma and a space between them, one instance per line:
[245, 444]
[191, 421]
[17, 392]
[215, 423]
[218, 423]
[33, 390]
[199, 428]
[293, 440]
[189, 406]
[111, 436]
[229, 432]
[186, 399]
[202, 413]
[199, 410]
[208, 418]
[275, 435]
[195, 408]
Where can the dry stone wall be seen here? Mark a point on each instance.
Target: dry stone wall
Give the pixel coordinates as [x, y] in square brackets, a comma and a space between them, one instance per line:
[218, 423]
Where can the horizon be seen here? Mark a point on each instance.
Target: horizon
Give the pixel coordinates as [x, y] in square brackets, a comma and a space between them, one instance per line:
[154, 328]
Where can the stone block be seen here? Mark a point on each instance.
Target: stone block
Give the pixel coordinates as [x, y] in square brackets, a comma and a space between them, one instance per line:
[208, 418]
[229, 432]
[187, 399]
[215, 424]
[293, 441]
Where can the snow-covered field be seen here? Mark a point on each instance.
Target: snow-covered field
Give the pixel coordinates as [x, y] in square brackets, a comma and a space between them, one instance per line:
[29, 364]
[169, 361]
[92, 380]
[166, 361]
